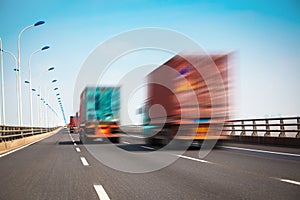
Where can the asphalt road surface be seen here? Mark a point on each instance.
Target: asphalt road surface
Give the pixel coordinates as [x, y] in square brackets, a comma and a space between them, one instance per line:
[59, 167]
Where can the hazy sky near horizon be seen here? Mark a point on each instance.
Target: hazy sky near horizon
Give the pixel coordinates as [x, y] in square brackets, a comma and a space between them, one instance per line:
[263, 34]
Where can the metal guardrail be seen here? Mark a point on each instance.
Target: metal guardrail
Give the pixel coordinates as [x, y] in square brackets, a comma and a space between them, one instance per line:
[8, 133]
[268, 127]
[287, 127]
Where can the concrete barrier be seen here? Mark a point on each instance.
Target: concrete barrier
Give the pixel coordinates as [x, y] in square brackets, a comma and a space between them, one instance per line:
[2, 147]
[14, 144]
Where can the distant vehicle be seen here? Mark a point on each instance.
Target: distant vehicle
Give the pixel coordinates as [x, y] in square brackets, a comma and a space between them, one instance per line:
[73, 124]
[192, 115]
[99, 114]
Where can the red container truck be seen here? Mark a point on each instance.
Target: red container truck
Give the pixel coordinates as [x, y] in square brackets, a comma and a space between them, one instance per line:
[187, 99]
[73, 124]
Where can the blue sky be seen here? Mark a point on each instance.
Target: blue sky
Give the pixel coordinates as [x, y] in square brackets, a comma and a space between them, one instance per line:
[264, 35]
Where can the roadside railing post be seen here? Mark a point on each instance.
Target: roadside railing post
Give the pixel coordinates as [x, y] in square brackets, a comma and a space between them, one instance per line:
[282, 132]
[232, 129]
[254, 133]
[268, 133]
[243, 133]
[22, 133]
[298, 128]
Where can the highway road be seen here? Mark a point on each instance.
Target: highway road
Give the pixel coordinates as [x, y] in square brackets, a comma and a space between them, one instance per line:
[59, 167]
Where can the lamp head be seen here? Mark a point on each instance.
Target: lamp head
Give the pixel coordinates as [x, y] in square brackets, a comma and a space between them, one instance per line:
[45, 47]
[39, 23]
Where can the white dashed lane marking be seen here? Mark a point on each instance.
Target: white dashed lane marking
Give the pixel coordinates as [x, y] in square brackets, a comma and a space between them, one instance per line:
[78, 149]
[84, 161]
[289, 181]
[194, 159]
[101, 192]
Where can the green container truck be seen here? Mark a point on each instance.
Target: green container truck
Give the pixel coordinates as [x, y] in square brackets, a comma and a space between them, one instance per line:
[99, 114]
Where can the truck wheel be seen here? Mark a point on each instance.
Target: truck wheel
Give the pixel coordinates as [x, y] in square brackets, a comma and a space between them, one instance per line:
[115, 140]
[152, 141]
[149, 141]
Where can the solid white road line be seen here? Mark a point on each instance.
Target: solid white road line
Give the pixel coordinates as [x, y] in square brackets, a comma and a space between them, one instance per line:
[149, 148]
[12, 151]
[77, 149]
[101, 192]
[84, 162]
[289, 181]
[194, 159]
[261, 151]
[125, 142]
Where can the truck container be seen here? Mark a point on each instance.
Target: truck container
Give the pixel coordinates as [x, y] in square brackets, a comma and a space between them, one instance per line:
[99, 114]
[73, 124]
[186, 99]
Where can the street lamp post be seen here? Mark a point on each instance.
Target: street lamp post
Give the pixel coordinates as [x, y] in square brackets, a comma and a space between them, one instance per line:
[49, 97]
[19, 68]
[41, 98]
[16, 70]
[59, 102]
[30, 84]
[2, 86]
[61, 106]
[55, 90]
[39, 110]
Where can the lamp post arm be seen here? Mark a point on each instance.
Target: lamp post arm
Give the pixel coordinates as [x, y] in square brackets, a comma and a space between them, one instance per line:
[29, 62]
[19, 42]
[11, 54]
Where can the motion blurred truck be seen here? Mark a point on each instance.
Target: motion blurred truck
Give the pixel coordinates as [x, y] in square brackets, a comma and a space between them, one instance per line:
[99, 114]
[180, 86]
[73, 124]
